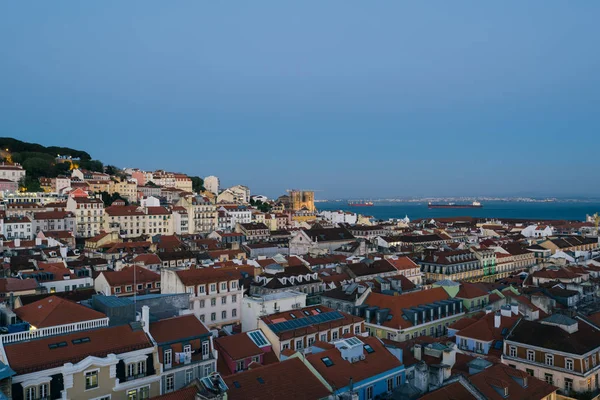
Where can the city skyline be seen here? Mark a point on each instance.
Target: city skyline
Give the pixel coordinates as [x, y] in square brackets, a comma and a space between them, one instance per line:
[352, 99]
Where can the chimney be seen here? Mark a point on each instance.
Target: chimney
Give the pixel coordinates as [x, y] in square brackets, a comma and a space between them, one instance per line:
[488, 310]
[417, 351]
[146, 318]
[514, 308]
[497, 320]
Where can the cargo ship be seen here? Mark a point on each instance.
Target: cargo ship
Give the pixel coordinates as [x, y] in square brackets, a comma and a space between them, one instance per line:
[360, 203]
[475, 204]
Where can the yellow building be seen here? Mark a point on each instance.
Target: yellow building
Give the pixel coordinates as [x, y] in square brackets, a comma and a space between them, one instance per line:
[127, 190]
[300, 199]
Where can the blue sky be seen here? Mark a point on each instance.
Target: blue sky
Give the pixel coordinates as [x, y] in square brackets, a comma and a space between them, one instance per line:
[354, 98]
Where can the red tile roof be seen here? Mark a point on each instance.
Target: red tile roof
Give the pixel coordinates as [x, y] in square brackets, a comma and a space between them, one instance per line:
[470, 291]
[54, 310]
[125, 276]
[289, 380]
[340, 373]
[397, 303]
[103, 341]
[8, 285]
[147, 259]
[177, 328]
[484, 329]
[237, 347]
[188, 393]
[196, 276]
[403, 263]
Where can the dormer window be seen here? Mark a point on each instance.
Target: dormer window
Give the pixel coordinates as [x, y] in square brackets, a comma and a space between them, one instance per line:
[549, 359]
[506, 391]
[213, 287]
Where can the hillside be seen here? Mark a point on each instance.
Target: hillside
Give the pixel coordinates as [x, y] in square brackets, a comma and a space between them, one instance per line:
[41, 161]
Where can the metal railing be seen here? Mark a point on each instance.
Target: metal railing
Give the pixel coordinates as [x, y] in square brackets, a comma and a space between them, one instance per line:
[53, 330]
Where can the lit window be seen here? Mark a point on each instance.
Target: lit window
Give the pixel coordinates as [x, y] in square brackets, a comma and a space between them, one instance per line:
[91, 380]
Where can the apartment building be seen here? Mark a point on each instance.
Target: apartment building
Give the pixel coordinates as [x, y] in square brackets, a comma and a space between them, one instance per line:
[561, 350]
[134, 221]
[452, 265]
[299, 329]
[89, 215]
[54, 221]
[202, 214]
[215, 293]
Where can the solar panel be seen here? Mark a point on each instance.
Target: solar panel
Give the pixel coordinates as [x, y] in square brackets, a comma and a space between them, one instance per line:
[302, 322]
[258, 338]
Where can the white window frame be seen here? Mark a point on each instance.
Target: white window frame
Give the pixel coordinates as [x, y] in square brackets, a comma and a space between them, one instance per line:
[189, 375]
[369, 392]
[170, 357]
[512, 351]
[172, 376]
[549, 359]
[530, 355]
[567, 361]
[91, 371]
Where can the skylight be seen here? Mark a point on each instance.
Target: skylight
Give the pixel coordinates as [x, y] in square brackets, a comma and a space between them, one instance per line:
[237, 384]
[327, 361]
[369, 349]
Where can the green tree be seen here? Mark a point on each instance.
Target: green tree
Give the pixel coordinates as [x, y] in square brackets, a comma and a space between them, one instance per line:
[92, 165]
[108, 199]
[36, 167]
[30, 184]
[197, 184]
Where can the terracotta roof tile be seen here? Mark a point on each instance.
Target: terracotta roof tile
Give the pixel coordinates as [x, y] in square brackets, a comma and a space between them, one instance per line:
[125, 276]
[54, 310]
[237, 347]
[177, 328]
[276, 381]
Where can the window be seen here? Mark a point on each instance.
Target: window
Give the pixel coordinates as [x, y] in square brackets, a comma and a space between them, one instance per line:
[234, 298]
[479, 347]
[224, 300]
[568, 384]
[213, 302]
[213, 316]
[130, 369]
[202, 317]
[311, 340]
[286, 346]
[202, 303]
[357, 329]
[201, 289]
[128, 288]
[141, 287]
[549, 359]
[513, 351]
[233, 285]
[334, 335]
[170, 383]
[549, 379]
[530, 371]
[569, 364]
[368, 348]
[234, 313]
[327, 361]
[223, 314]
[187, 348]
[594, 360]
[44, 390]
[239, 366]
[168, 358]
[223, 286]
[531, 355]
[30, 393]
[144, 392]
[323, 337]
[189, 375]
[91, 380]
[213, 287]
[132, 394]
[390, 384]
[369, 393]
[299, 344]
[141, 368]
[398, 380]
[256, 359]
[586, 364]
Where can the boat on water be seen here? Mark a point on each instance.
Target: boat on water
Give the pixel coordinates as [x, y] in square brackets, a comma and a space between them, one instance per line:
[360, 203]
[475, 204]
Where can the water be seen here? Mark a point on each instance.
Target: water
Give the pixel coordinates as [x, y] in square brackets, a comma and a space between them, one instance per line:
[494, 209]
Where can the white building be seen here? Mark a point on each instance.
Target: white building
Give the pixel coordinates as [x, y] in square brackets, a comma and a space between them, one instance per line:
[238, 214]
[242, 191]
[12, 172]
[254, 307]
[215, 293]
[211, 183]
[537, 231]
[18, 227]
[89, 214]
[340, 217]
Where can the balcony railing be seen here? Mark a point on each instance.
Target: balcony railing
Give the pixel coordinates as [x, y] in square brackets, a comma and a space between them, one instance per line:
[53, 330]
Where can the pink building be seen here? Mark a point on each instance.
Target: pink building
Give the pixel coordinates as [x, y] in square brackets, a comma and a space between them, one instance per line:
[238, 351]
[6, 185]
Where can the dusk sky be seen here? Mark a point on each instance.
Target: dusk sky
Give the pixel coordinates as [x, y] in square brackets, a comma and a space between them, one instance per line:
[354, 98]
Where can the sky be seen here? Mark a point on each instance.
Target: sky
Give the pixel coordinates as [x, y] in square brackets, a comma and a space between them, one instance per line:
[352, 98]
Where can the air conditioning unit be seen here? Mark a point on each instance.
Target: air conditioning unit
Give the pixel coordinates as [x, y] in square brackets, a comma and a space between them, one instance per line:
[362, 357]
